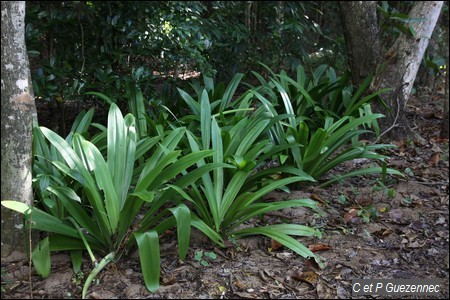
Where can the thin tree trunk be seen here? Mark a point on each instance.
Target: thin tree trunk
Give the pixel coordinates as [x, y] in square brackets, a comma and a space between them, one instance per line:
[18, 112]
[280, 21]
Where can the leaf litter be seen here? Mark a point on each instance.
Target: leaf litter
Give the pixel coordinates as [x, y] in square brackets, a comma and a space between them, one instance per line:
[397, 230]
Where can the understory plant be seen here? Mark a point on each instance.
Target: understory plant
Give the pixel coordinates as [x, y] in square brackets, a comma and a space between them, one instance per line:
[101, 199]
[224, 104]
[325, 138]
[227, 197]
[321, 94]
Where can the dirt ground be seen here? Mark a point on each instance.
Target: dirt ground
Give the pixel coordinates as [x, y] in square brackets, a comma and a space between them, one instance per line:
[399, 232]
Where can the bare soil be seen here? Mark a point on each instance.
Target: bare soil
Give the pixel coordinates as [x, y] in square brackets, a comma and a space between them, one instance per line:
[398, 232]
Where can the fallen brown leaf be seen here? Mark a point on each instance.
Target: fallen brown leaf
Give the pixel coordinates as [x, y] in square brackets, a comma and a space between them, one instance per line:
[317, 198]
[310, 277]
[352, 213]
[169, 280]
[319, 247]
[274, 245]
[434, 159]
[240, 284]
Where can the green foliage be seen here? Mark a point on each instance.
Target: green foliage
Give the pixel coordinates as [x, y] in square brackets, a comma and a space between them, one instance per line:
[319, 95]
[242, 34]
[101, 199]
[196, 155]
[220, 102]
[368, 213]
[212, 174]
[203, 257]
[231, 195]
[394, 20]
[324, 118]
[77, 46]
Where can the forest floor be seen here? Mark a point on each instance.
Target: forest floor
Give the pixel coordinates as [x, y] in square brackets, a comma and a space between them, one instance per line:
[398, 232]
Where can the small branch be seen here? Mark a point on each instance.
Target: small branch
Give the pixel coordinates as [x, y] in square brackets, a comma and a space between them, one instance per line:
[394, 124]
[30, 258]
[82, 43]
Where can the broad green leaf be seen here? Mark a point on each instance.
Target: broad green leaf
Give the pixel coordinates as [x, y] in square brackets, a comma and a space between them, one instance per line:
[148, 245]
[229, 196]
[105, 183]
[205, 120]
[85, 178]
[315, 146]
[180, 165]
[145, 195]
[41, 220]
[287, 103]
[41, 258]
[60, 242]
[101, 96]
[218, 177]
[17, 206]
[77, 211]
[208, 231]
[183, 217]
[296, 229]
[121, 149]
[282, 238]
[76, 256]
[193, 105]
[249, 211]
[229, 92]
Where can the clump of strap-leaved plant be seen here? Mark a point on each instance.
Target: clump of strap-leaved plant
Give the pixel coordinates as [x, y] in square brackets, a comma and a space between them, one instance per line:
[92, 191]
[202, 169]
[227, 197]
[326, 117]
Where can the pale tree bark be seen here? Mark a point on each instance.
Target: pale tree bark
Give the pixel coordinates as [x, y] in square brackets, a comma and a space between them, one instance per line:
[397, 68]
[251, 11]
[280, 20]
[359, 21]
[18, 112]
[400, 69]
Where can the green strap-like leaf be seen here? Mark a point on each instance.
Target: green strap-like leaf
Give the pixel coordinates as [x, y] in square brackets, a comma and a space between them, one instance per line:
[208, 231]
[105, 183]
[205, 120]
[148, 245]
[77, 211]
[41, 220]
[103, 263]
[229, 92]
[193, 105]
[283, 238]
[41, 258]
[183, 217]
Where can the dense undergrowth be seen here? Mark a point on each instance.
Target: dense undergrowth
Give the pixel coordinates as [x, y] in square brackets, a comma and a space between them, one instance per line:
[205, 163]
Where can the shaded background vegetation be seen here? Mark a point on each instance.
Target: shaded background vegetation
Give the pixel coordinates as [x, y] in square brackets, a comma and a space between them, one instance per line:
[80, 46]
[289, 57]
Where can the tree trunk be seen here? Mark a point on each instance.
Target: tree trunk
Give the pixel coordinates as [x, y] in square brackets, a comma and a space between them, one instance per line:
[397, 68]
[400, 68]
[359, 21]
[18, 112]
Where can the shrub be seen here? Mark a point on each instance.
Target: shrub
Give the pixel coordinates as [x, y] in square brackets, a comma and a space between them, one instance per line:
[229, 196]
[327, 135]
[101, 198]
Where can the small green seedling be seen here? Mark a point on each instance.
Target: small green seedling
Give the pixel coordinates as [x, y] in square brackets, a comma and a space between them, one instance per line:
[202, 257]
